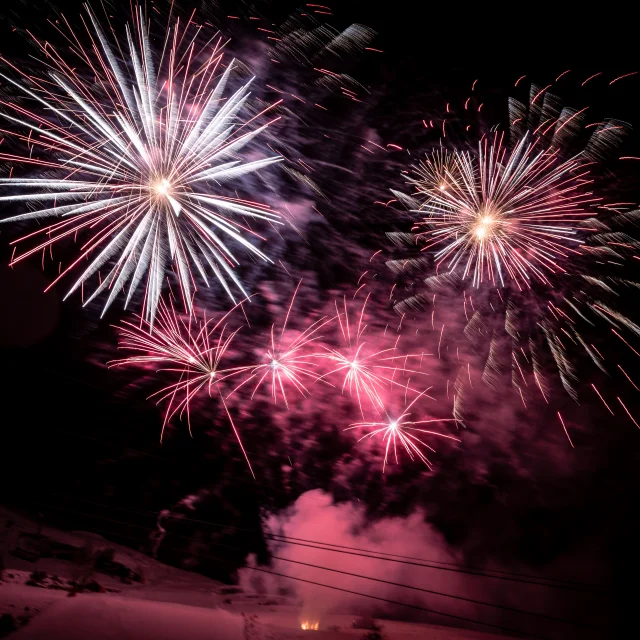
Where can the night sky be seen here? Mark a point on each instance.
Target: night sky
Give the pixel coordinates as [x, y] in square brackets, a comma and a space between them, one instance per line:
[80, 442]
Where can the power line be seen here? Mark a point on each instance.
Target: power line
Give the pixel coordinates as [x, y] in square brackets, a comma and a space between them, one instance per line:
[365, 595]
[453, 564]
[536, 580]
[459, 568]
[438, 593]
[493, 573]
[402, 604]
[455, 570]
[373, 579]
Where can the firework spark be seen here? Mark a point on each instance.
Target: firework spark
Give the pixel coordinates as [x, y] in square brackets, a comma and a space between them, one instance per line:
[286, 360]
[192, 350]
[141, 157]
[366, 372]
[509, 215]
[406, 432]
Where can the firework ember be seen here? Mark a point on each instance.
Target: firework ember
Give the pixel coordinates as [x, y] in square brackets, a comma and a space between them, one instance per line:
[135, 159]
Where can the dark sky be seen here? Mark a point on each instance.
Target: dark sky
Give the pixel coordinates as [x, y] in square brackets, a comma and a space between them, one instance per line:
[80, 443]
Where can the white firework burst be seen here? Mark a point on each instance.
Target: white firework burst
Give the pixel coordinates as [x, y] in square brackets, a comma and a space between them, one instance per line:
[136, 160]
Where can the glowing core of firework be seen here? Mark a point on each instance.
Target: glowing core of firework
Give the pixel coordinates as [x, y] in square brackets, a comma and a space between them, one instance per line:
[162, 187]
[306, 625]
[484, 225]
[438, 172]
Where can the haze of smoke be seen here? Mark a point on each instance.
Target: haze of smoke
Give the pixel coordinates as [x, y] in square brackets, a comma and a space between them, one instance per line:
[315, 517]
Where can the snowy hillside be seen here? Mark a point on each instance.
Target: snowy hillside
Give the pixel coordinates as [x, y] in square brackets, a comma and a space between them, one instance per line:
[165, 603]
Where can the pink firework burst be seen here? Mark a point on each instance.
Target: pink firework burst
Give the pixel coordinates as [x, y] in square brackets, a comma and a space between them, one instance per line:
[404, 432]
[366, 372]
[508, 215]
[192, 350]
[287, 361]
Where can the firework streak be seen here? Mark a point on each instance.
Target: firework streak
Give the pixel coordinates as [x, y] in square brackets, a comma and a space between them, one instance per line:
[195, 351]
[406, 432]
[366, 371]
[507, 215]
[287, 360]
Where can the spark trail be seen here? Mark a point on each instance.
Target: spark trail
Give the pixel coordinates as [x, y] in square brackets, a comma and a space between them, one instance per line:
[366, 371]
[539, 261]
[509, 215]
[289, 359]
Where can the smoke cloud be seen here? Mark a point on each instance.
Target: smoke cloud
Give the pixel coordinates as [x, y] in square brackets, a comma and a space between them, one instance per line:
[314, 517]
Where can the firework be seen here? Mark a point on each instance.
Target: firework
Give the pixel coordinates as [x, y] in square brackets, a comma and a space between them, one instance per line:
[404, 432]
[190, 350]
[366, 372]
[538, 261]
[289, 359]
[510, 215]
[136, 160]
[547, 324]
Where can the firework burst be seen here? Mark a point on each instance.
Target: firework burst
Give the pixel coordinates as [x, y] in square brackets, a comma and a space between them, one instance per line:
[140, 153]
[191, 350]
[401, 431]
[366, 372]
[288, 359]
[510, 215]
[540, 263]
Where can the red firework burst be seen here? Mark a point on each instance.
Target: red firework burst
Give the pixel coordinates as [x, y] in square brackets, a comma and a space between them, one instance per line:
[366, 371]
[287, 359]
[407, 433]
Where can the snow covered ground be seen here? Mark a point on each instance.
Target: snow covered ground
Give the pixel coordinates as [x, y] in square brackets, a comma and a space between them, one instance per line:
[117, 617]
[169, 604]
[109, 617]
